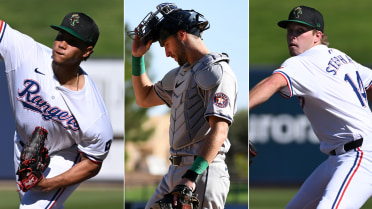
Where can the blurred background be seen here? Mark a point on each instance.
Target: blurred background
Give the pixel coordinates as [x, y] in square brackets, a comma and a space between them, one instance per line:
[288, 150]
[146, 130]
[105, 66]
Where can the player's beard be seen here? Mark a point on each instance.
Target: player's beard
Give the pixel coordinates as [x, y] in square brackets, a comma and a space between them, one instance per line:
[181, 59]
[180, 52]
[180, 55]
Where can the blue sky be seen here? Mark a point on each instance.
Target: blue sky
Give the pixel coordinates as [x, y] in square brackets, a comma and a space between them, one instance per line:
[228, 33]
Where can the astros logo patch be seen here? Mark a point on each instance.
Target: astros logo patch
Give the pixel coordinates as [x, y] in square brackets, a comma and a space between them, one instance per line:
[220, 100]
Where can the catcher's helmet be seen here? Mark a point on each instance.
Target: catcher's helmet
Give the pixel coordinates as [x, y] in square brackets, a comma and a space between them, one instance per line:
[167, 20]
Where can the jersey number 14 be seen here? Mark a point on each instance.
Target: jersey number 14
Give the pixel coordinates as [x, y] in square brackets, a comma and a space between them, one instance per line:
[359, 90]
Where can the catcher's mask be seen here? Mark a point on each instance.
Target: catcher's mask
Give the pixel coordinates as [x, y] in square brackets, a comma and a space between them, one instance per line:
[167, 20]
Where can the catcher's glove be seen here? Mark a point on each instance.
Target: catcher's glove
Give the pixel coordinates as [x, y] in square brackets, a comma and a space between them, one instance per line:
[252, 152]
[34, 160]
[186, 199]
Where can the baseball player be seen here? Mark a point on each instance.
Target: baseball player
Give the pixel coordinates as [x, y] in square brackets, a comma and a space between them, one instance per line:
[201, 94]
[332, 89]
[48, 89]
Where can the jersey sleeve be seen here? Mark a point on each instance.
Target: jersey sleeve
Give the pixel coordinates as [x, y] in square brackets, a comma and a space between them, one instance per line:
[294, 80]
[286, 92]
[96, 141]
[14, 46]
[164, 88]
[221, 100]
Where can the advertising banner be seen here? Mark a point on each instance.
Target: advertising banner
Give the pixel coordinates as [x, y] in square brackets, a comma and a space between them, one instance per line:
[288, 150]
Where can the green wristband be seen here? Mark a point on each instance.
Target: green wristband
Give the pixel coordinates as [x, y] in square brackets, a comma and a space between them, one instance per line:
[138, 65]
[199, 165]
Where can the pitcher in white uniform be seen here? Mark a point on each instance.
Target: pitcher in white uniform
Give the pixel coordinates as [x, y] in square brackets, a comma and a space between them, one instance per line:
[201, 93]
[332, 89]
[48, 88]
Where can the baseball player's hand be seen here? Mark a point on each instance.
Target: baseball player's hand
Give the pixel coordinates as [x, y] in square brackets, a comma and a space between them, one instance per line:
[139, 48]
[252, 152]
[185, 199]
[34, 160]
[41, 186]
[190, 184]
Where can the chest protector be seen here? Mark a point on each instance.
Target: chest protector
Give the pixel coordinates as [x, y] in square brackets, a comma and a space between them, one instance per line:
[189, 87]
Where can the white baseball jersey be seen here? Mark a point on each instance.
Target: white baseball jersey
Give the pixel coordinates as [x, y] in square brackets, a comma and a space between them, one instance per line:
[331, 89]
[71, 117]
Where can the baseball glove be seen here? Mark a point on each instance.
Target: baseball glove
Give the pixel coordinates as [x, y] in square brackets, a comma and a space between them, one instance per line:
[34, 160]
[252, 152]
[186, 199]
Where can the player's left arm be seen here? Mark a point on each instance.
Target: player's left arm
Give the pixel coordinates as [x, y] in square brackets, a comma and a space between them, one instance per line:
[82, 171]
[215, 138]
[265, 89]
[212, 143]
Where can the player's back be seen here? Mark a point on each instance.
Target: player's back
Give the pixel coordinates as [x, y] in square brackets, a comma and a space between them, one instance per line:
[331, 87]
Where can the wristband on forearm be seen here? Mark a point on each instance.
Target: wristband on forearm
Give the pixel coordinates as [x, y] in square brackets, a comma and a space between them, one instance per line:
[197, 168]
[138, 65]
[191, 175]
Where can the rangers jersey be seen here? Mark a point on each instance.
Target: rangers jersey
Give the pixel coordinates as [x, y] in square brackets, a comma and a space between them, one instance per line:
[72, 118]
[321, 78]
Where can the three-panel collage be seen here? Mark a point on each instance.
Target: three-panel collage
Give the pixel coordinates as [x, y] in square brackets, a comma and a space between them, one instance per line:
[185, 104]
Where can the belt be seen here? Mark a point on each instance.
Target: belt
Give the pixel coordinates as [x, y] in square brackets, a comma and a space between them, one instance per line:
[349, 146]
[176, 160]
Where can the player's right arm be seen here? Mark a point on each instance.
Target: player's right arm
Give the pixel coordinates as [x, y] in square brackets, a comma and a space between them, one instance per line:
[83, 170]
[142, 85]
[265, 89]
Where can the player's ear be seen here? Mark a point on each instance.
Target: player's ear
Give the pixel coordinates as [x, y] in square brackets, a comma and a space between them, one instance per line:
[181, 34]
[318, 36]
[88, 52]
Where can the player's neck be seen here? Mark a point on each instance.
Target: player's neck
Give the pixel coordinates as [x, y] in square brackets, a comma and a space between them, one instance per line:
[70, 77]
[196, 52]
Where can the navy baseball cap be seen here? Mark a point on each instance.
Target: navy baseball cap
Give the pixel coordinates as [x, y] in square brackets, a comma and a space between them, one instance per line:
[176, 19]
[304, 15]
[189, 20]
[81, 26]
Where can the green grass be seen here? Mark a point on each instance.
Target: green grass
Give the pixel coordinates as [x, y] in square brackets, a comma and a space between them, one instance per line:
[92, 197]
[34, 18]
[276, 198]
[96, 200]
[345, 24]
[9, 199]
[238, 194]
[270, 198]
[139, 194]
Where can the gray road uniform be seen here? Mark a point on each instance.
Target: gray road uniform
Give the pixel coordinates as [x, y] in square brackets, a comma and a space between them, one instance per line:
[195, 92]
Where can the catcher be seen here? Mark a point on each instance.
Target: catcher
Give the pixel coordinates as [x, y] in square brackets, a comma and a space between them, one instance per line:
[201, 93]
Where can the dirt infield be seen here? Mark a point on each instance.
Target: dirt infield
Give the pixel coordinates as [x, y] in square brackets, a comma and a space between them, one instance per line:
[8, 185]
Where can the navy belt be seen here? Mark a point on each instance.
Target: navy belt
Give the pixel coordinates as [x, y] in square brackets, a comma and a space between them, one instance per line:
[177, 159]
[351, 145]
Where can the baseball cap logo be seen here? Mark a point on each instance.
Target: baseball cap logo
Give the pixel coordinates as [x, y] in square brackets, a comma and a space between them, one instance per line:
[297, 12]
[74, 19]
